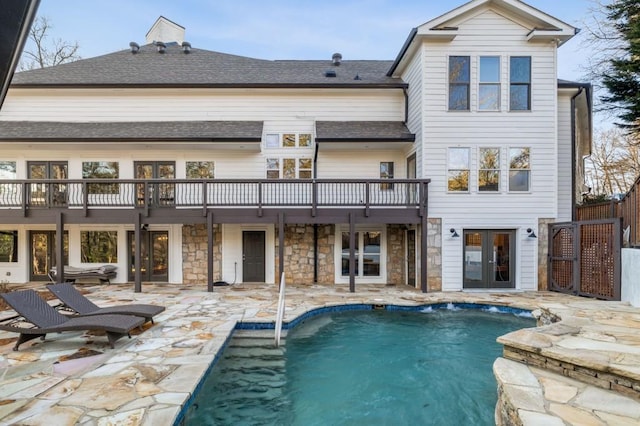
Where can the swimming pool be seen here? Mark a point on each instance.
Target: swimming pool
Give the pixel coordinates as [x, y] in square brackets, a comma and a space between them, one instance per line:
[362, 367]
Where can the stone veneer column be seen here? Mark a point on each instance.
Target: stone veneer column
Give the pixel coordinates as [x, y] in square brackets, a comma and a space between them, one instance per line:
[299, 254]
[543, 253]
[434, 254]
[396, 265]
[194, 253]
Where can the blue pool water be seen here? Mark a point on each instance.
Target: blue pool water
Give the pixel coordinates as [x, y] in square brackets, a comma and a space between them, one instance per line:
[362, 368]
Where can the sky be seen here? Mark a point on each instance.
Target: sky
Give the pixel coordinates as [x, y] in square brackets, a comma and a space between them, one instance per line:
[282, 29]
[278, 29]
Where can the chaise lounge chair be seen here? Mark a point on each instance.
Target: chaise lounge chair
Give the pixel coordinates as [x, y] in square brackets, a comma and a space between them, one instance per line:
[45, 319]
[77, 302]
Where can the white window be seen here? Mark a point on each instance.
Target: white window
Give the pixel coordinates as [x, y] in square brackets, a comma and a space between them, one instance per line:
[519, 169]
[520, 83]
[287, 140]
[489, 83]
[289, 168]
[458, 169]
[459, 82]
[367, 250]
[200, 169]
[489, 170]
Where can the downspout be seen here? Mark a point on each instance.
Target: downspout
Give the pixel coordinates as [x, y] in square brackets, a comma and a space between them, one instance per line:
[574, 153]
[315, 225]
[406, 105]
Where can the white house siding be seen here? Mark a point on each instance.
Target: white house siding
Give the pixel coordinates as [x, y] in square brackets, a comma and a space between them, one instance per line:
[489, 34]
[565, 162]
[120, 105]
[413, 77]
[232, 251]
[358, 164]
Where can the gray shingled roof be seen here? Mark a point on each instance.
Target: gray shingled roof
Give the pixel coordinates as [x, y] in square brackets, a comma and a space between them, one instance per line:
[363, 131]
[210, 131]
[204, 68]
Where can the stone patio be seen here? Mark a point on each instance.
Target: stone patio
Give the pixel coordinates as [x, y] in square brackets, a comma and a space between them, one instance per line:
[580, 370]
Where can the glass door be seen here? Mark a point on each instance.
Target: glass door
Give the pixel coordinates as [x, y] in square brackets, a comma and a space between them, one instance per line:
[41, 194]
[42, 246]
[489, 259]
[159, 194]
[367, 254]
[154, 254]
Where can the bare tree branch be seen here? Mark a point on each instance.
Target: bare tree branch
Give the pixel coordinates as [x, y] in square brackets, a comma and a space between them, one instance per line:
[43, 51]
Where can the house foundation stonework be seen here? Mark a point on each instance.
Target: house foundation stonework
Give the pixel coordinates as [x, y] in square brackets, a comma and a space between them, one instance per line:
[434, 254]
[194, 253]
[543, 253]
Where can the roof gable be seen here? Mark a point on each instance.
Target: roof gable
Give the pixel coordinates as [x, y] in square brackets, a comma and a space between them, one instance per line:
[540, 26]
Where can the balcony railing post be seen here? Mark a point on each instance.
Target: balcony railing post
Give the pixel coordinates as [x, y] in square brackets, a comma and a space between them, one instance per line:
[85, 199]
[367, 188]
[25, 195]
[259, 199]
[314, 197]
[205, 203]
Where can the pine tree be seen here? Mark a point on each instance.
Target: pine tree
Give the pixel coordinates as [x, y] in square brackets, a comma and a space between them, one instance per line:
[623, 78]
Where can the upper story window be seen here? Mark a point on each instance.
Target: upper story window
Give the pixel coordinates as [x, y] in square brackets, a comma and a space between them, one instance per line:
[289, 168]
[386, 172]
[200, 169]
[288, 140]
[520, 83]
[519, 169]
[101, 170]
[489, 83]
[489, 170]
[8, 170]
[459, 82]
[458, 169]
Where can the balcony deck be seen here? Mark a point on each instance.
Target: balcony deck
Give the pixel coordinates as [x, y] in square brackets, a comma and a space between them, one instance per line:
[231, 200]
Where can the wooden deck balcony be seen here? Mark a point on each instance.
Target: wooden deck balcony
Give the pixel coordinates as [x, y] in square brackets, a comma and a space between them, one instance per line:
[182, 197]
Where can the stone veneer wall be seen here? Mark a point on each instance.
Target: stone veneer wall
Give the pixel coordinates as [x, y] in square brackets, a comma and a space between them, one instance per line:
[434, 254]
[299, 255]
[543, 252]
[194, 253]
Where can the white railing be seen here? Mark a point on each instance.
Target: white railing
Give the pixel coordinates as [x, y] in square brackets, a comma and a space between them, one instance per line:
[280, 313]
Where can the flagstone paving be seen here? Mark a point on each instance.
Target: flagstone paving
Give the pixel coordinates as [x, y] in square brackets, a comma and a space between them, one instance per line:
[75, 378]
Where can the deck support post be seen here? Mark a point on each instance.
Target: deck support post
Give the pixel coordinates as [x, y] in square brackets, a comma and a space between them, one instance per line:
[210, 241]
[280, 247]
[59, 248]
[137, 256]
[352, 253]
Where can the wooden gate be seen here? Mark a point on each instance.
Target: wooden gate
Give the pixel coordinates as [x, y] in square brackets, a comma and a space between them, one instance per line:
[584, 258]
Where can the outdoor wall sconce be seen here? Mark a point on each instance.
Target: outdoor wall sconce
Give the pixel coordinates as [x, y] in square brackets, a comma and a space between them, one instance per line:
[531, 233]
[454, 234]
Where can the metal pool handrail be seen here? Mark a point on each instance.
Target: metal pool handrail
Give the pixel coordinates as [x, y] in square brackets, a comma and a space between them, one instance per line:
[280, 313]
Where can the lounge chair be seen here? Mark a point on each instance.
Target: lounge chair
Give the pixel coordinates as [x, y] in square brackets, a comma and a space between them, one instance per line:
[44, 319]
[77, 302]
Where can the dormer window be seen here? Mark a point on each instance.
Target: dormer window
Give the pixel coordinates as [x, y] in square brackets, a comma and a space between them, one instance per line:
[287, 140]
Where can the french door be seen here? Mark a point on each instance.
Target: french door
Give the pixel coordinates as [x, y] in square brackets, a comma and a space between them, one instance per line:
[158, 194]
[42, 247]
[41, 194]
[154, 255]
[489, 258]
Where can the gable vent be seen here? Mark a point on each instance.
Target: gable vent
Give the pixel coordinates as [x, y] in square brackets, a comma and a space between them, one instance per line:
[330, 73]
